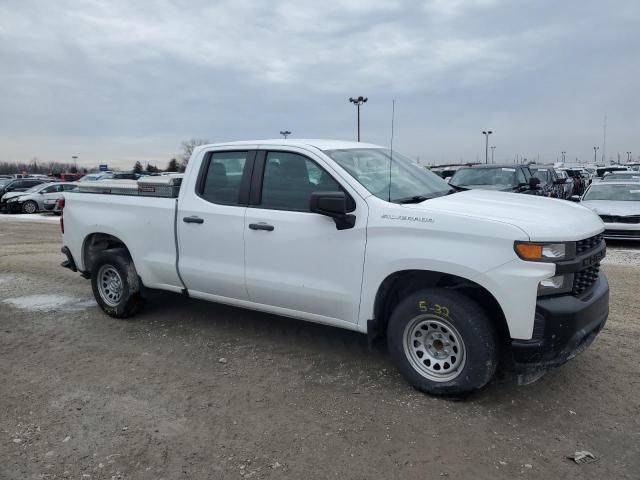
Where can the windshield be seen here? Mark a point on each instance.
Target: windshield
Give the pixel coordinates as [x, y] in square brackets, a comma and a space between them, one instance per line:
[370, 167]
[484, 176]
[613, 192]
[542, 173]
[34, 189]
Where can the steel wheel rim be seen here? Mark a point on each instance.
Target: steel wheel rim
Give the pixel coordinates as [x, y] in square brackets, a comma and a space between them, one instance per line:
[434, 348]
[30, 207]
[110, 285]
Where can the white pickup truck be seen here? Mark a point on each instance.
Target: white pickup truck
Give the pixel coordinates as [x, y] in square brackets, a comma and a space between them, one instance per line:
[354, 236]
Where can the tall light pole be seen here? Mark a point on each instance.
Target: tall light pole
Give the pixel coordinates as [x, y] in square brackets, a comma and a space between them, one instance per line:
[75, 162]
[493, 147]
[357, 102]
[628, 157]
[563, 154]
[285, 133]
[486, 134]
[595, 152]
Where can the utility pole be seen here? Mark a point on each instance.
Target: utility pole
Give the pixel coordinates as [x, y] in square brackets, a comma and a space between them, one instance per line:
[357, 102]
[595, 153]
[486, 134]
[75, 162]
[628, 157]
[285, 133]
[604, 140]
[563, 154]
[493, 147]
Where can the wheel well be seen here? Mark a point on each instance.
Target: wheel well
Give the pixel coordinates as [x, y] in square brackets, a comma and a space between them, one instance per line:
[400, 284]
[97, 243]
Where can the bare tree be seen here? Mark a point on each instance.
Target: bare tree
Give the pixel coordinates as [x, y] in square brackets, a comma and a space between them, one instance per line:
[188, 146]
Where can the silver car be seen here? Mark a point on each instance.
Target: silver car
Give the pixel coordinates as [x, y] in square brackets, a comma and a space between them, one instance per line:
[33, 200]
[618, 205]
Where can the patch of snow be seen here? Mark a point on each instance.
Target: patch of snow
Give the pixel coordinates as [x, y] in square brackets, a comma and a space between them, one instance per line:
[34, 217]
[45, 303]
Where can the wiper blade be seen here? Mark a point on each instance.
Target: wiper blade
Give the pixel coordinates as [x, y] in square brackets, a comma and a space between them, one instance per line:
[414, 199]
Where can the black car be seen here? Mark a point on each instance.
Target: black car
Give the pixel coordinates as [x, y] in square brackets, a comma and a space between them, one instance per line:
[551, 184]
[504, 178]
[19, 185]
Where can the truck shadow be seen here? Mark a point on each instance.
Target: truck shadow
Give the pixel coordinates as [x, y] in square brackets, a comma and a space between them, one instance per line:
[333, 350]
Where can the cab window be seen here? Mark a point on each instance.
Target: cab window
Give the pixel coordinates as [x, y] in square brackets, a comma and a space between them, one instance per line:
[290, 178]
[223, 177]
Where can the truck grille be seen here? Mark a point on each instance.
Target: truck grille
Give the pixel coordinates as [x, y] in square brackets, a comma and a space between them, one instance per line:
[588, 243]
[586, 277]
[583, 279]
[620, 219]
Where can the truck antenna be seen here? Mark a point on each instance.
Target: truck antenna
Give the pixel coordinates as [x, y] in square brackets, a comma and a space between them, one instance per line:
[393, 115]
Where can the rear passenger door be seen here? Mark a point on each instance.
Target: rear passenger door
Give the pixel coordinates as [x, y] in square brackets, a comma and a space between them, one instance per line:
[298, 262]
[211, 226]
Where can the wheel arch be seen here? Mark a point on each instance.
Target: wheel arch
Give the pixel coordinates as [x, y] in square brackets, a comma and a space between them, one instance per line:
[399, 284]
[96, 243]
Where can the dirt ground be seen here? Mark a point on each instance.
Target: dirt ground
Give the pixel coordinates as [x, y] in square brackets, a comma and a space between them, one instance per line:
[192, 390]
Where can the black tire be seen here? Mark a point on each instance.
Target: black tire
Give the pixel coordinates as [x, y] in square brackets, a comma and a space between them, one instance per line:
[29, 207]
[129, 301]
[465, 324]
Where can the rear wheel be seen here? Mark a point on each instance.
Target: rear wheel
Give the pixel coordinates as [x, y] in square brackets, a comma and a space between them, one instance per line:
[442, 342]
[115, 283]
[30, 207]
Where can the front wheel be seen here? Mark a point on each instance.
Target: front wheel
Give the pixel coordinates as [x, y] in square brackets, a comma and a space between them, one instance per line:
[115, 283]
[442, 342]
[30, 207]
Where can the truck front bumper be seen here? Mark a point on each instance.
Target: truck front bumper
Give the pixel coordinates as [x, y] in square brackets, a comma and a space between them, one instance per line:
[564, 327]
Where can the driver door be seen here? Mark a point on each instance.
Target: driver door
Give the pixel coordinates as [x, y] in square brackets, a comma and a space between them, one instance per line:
[298, 262]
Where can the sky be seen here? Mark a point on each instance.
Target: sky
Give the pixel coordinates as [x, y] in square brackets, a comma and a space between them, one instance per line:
[118, 81]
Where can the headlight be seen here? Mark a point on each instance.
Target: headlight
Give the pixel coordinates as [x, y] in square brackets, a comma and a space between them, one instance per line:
[11, 200]
[556, 285]
[540, 252]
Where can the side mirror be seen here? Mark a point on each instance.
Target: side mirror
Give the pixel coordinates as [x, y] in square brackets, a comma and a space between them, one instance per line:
[574, 198]
[334, 205]
[534, 182]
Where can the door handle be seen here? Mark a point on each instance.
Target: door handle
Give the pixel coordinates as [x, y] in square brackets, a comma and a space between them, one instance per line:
[261, 226]
[193, 219]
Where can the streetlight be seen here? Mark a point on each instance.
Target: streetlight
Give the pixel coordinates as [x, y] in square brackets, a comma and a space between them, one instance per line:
[75, 162]
[563, 154]
[628, 157]
[595, 152]
[285, 133]
[486, 146]
[357, 102]
[493, 147]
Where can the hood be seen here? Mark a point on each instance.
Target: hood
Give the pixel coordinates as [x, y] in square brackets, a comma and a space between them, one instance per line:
[542, 218]
[9, 195]
[612, 207]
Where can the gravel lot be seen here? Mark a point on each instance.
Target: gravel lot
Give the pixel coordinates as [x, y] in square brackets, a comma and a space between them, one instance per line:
[191, 390]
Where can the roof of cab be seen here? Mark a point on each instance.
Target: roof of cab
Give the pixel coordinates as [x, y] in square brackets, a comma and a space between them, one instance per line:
[320, 144]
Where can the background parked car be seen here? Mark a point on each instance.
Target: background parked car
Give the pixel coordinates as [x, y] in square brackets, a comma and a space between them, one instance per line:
[621, 176]
[600, 171]
[618, 205]
[33, 199]
[19, 185]
[567, 186]
[551, 184]
[579, 183]
[92, 177]
[506, 178]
